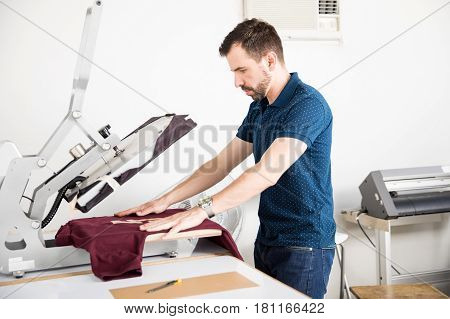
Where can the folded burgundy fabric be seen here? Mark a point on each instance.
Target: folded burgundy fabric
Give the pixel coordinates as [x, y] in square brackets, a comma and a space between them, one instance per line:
[116, 248]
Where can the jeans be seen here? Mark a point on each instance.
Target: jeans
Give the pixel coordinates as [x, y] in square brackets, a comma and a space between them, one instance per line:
[302, 268]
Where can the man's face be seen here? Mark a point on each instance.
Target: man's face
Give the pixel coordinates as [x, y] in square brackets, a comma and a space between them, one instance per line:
[251, 76]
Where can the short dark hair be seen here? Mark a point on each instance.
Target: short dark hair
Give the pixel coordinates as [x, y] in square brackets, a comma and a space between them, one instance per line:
[256, 37]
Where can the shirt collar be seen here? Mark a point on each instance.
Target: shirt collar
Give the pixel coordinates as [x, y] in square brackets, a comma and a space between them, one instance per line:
[288, 91]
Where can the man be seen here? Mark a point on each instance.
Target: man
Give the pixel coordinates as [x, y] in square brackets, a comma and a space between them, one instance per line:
[288, 130]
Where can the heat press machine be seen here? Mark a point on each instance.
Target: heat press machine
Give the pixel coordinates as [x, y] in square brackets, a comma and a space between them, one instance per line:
[95, 171]
[389, 194]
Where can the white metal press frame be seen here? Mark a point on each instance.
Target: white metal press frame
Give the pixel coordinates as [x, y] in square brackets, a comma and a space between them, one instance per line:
[30, 251]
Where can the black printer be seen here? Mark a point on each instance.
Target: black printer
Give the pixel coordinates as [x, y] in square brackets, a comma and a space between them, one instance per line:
[394, 193]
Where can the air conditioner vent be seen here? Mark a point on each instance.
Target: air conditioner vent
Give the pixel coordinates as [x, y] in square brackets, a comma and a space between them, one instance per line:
[299, 19]
[328, 7]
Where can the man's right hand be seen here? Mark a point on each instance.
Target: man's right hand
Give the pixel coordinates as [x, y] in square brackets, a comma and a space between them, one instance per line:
[152, 207]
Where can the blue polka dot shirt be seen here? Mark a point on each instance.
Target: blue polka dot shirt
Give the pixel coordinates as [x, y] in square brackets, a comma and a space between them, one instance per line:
[298, 210]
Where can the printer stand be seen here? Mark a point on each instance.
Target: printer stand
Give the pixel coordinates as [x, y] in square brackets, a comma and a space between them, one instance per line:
[382, 229]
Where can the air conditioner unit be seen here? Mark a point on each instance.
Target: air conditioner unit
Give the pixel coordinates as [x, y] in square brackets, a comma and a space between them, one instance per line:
[299, 19]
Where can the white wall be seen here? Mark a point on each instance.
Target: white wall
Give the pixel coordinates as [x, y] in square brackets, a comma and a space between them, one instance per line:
[390, 111]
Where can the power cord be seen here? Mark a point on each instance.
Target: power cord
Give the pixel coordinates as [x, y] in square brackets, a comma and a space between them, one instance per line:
[365, 234]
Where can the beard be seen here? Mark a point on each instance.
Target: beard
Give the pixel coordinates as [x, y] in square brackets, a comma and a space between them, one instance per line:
[261, 88]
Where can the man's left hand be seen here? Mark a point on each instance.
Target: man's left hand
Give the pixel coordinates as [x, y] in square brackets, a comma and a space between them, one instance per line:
[177, 222]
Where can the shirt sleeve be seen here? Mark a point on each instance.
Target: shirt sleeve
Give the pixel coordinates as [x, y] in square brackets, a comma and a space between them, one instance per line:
[245, 131]
[305, 121]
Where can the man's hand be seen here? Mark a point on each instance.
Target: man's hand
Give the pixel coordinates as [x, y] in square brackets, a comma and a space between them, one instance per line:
[155, 206]
[176, 222]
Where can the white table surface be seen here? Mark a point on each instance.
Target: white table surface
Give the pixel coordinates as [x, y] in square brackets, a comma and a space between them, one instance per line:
[155, 269]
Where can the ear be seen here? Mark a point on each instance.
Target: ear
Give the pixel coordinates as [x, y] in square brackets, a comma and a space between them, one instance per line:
[272, 60]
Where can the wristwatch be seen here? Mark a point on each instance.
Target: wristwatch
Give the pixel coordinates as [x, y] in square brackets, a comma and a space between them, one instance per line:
[205, 203]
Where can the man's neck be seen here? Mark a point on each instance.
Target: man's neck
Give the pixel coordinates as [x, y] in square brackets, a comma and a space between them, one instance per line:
[279, 81]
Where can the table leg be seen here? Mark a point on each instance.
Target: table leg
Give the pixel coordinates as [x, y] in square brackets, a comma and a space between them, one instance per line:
[383, 247]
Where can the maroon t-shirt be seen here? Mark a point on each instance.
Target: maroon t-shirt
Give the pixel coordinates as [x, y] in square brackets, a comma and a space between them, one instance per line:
[116, 248]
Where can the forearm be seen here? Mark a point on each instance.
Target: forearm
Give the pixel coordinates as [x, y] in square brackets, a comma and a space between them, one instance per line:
[251, 183]
[203, 178]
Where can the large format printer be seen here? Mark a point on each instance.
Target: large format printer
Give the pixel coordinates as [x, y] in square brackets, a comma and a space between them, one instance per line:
[394, 193]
